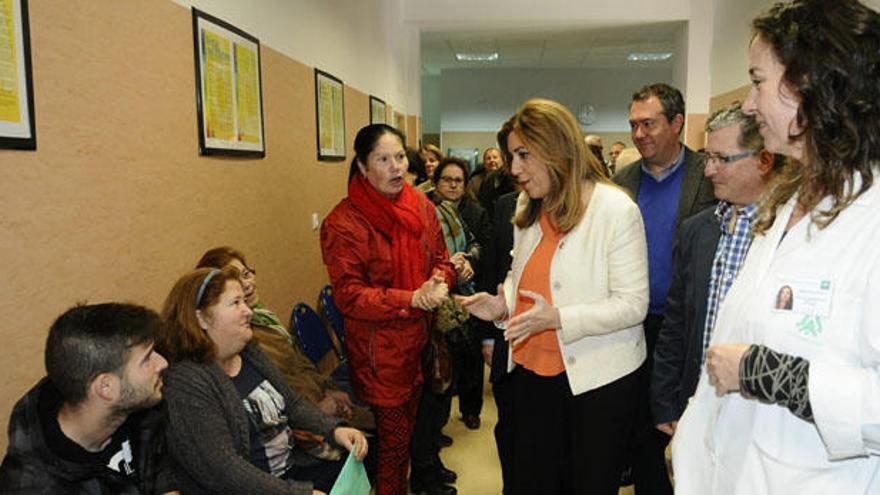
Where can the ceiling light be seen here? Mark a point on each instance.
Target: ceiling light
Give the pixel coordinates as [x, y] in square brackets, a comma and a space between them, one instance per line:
[649, 56]
[476, 57]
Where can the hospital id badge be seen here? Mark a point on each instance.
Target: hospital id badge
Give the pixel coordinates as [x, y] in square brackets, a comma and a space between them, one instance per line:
[804, 296]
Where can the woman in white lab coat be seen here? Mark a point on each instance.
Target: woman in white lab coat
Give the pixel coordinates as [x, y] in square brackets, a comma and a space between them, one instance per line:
[790, 400]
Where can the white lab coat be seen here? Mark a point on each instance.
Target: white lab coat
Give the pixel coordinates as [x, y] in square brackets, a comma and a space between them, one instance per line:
[732, 445]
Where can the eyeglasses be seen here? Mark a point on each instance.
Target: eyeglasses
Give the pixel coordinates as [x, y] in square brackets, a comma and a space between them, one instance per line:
[452, 180]
[725, 159]
[247, 274]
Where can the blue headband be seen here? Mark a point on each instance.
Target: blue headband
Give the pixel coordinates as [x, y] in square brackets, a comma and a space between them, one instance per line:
[205, 285]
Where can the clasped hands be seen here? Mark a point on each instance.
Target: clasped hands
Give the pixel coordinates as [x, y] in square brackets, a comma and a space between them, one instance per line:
[462, 266]
[541, 316]
[431, 294]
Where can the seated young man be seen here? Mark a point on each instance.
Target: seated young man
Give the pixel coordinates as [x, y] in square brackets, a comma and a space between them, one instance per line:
[90, 425]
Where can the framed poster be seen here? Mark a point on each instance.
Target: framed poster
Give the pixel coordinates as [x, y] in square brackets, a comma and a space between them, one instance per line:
[377, 111]
[331, 116]
[17, 127]
[229, 91]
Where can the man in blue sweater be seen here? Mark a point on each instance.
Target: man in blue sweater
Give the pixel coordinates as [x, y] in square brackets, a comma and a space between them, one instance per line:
[669, 187]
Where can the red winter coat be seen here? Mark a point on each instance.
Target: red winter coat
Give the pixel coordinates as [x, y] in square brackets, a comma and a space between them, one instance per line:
[384, 336]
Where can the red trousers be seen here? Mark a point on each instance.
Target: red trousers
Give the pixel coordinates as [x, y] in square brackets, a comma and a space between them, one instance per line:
[395, 426]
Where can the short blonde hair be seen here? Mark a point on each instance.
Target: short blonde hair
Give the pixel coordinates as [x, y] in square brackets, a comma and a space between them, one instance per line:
[551, 131]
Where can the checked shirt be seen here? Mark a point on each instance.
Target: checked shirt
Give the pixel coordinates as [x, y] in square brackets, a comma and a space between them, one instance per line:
[736, 237]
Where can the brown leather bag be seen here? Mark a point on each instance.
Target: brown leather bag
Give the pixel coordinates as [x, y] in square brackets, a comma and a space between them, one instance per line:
[437, 363]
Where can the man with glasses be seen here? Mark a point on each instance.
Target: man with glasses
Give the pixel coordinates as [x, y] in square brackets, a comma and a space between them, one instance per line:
[669, 187]
[708, 253]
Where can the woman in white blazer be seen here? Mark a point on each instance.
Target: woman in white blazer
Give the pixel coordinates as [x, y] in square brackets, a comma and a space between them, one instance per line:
[572, 306]
[790, 402]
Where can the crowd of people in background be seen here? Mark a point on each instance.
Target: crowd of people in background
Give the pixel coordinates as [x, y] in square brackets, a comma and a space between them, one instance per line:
[721, 298]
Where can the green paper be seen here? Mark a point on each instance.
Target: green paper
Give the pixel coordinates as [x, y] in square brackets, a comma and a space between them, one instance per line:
[352, 478]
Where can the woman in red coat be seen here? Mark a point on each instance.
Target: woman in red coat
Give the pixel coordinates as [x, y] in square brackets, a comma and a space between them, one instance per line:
[389, 268]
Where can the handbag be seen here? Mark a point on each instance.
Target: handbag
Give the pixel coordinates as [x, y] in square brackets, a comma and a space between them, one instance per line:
[437, 363]
[450, 315]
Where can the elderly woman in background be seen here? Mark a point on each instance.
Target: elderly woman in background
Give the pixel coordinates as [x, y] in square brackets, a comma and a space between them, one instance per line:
[231, 415]
[284, 348]
[572, 306]
[389, 267]
[790, 401]
[451, 177]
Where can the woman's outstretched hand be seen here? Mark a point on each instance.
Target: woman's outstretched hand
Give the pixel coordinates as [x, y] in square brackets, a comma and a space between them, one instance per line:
[485, 306]
[541, 316]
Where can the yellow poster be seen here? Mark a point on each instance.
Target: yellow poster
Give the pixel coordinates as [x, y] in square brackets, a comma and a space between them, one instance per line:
[326, 114]
[338, 120]
[247, 94]
[9, 83]
[217, 57]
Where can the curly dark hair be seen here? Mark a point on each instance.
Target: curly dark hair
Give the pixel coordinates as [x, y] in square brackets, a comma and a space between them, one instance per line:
[831, 54]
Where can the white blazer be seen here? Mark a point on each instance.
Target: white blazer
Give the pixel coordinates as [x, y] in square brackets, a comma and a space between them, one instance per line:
[732, 445]
[599, 283]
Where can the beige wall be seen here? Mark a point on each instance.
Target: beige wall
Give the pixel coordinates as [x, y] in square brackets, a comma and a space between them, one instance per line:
[739, 94]
[116, 203]
[694, 134]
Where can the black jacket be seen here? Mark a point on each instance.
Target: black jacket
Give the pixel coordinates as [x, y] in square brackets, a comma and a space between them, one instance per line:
[31, 468]
[496, 266]
[496, 184]
[680, 341]
[476, 219]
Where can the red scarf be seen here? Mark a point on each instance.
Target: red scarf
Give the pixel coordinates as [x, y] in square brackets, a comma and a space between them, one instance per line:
[401, 221]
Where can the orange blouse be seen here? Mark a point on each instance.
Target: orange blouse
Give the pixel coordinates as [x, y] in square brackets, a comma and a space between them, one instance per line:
[540, 352]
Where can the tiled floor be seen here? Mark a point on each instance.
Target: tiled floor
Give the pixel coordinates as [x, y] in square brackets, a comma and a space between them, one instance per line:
[473, 455]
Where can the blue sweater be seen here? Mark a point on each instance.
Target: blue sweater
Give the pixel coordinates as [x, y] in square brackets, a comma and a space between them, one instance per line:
[658, 201]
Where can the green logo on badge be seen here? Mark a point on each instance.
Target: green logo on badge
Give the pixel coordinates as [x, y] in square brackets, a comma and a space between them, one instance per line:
[810, 325]
[825, 285]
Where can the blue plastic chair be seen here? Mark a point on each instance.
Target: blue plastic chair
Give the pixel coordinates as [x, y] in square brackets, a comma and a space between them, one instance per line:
[312, 333]
[327, 308]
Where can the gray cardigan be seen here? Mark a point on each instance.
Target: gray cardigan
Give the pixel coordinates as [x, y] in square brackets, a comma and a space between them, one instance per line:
[208, 429]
